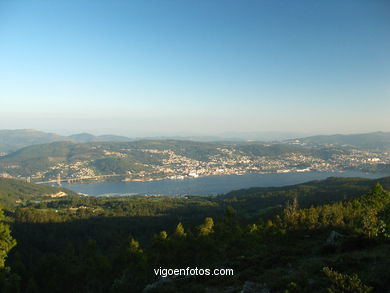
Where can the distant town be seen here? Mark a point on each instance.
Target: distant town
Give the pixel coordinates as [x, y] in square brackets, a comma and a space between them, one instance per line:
[157, 160]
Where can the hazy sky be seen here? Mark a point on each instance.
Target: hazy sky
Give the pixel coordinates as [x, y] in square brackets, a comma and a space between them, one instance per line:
[153, 67]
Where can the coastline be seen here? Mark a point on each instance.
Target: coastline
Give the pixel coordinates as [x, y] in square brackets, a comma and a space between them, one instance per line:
[122, 178]
[208, 185]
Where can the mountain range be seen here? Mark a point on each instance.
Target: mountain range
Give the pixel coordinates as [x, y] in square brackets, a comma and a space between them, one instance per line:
[372, 141]
[12, 140]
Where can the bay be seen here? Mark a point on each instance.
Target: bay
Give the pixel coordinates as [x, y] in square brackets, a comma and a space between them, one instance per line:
[210, 185]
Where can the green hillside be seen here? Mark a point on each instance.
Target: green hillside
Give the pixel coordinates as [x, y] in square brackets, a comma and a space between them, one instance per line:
[254, 201]
[170, 159]
[12, 190]
[120, 157]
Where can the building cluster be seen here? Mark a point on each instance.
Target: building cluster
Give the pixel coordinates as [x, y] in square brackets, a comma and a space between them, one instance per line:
[156, 164]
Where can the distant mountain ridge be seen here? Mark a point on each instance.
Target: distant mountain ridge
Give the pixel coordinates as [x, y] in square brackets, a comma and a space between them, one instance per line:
[12, 140]
[373, 141]
[87, 137]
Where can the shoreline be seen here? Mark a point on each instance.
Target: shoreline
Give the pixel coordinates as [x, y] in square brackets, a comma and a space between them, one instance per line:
[100, 178]
[210, 185]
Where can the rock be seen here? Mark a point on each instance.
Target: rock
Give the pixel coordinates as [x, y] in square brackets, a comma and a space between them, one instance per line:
[252, 287]
[333, 238]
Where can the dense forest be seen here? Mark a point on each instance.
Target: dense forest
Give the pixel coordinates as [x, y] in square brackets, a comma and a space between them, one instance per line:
[321, 236]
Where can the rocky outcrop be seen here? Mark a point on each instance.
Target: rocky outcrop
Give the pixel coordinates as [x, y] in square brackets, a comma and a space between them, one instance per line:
[334, 238]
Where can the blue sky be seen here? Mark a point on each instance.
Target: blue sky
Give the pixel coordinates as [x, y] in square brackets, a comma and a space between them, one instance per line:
[195, 67]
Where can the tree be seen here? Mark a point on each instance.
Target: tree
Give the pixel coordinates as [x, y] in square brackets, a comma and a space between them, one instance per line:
[384, 216]
[9, 282]
[343, 283]
[372, 226]
[207, 227]
[135, 247]
[230, 212]
[6, 240]
[291, 215]
[163, 235]
[179, 232]
[134, 276]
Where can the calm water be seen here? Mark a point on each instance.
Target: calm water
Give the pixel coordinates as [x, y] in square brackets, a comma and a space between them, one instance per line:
[207, 185]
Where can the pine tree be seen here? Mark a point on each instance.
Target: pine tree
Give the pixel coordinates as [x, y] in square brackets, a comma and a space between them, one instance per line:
[6, 240]
[179, 232]
[207, 227]
[163, 235]
[9, 281]
[343, 283]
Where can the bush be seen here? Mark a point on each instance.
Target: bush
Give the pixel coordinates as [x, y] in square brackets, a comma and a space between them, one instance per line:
[343, 283]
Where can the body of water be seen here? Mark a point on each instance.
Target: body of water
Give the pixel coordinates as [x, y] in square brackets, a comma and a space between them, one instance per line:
[210, 185]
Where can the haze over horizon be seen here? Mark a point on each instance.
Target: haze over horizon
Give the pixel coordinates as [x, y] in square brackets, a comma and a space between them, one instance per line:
[155, 68]
[260, 136]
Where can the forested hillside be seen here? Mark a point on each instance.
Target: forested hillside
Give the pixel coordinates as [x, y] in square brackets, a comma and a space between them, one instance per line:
[84, 244]
[16, 192]
[177, 159]
[123, 158]
[253, 200]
